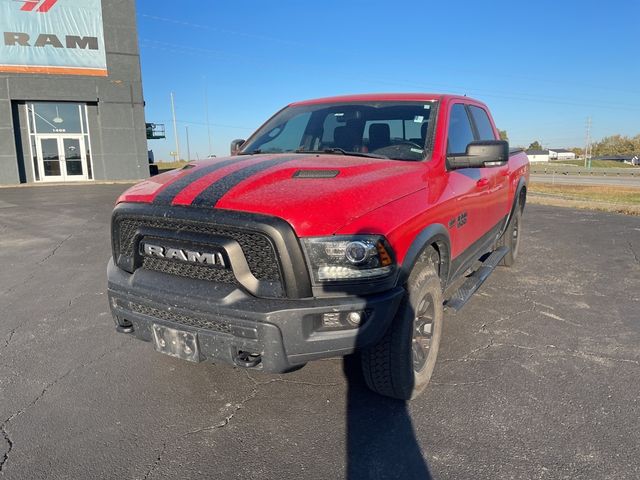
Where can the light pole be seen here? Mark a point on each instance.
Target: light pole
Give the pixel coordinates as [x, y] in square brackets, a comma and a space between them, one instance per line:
[188, 146]
[206, 111]
[175, 127]
[587, 146]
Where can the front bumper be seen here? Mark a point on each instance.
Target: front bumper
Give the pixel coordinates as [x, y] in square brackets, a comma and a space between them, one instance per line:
[285, 333]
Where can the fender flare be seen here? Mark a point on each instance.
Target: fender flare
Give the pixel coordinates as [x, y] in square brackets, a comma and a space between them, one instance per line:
[522, 183]
[435, 233]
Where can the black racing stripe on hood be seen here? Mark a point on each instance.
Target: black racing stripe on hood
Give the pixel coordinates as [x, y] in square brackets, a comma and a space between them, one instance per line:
[214, 192]
[166, 196]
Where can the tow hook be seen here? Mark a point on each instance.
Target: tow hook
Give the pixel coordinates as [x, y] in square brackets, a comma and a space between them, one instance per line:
[247, 359]
[124, 325]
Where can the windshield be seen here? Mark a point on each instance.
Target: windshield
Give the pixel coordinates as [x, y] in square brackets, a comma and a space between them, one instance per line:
[396, 130]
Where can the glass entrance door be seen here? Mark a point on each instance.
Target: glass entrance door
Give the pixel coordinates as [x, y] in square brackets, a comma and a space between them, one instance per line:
[75, 168]
[49, 156]
[62, 158]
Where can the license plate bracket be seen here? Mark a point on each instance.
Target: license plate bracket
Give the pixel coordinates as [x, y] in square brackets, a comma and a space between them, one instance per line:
[176, 343]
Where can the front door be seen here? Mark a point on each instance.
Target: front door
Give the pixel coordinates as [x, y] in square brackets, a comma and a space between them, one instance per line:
[62, 158]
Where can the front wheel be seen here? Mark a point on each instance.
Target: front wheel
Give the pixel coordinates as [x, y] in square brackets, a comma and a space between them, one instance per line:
[511, 238]
[401, 363]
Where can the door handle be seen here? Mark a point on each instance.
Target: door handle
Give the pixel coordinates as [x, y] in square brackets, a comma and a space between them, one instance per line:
[504, 173]
[483, 182]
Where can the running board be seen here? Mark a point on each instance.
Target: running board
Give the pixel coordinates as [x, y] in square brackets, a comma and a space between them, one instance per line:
[473, 281]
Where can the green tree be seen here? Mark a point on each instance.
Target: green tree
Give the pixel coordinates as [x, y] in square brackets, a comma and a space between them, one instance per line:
[503, 135]
[578, 151]
[535, 146]
[617, 145]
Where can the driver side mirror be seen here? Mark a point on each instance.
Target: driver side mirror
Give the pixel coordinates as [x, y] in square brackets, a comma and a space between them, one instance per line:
[479, 154]
[236, 145]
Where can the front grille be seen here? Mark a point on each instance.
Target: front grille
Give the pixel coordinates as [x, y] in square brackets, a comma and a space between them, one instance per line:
[180, 318]
[198, 272]
[258, 250]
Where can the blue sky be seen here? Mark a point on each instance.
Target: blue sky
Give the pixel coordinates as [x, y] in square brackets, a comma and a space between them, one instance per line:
[542, 67]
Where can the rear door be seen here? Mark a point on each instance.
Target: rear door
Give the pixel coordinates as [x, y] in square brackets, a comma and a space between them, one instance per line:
[499, 175]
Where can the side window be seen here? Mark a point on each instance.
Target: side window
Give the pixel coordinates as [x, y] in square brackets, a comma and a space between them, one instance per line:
[483, 123]
[460, 132]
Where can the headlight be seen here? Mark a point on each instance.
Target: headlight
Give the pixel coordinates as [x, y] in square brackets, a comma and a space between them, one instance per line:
[342, 258]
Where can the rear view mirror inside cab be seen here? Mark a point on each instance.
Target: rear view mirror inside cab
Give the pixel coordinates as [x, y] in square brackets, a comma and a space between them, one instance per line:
[347, 116]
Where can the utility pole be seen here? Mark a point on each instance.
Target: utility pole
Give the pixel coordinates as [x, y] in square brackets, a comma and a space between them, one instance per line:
[206, 111]
[587, 145]
[188, 146]
[175, 128]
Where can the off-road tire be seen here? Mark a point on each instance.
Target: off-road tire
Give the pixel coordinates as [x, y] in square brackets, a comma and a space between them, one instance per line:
[388, 366]
[511, 238]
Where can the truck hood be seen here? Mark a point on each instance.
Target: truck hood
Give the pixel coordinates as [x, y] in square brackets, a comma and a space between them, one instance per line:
[316, 194]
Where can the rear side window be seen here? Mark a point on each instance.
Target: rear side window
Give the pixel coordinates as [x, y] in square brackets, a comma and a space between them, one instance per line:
[395, 128]
[460, 132]
[483, 124]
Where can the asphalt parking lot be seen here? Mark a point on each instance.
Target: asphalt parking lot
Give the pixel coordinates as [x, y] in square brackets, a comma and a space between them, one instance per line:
[538, 376]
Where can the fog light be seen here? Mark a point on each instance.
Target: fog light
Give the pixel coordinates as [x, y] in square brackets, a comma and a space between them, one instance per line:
[331, 320]
[354, 318]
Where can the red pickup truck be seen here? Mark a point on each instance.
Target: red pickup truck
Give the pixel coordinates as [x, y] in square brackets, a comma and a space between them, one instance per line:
[342, 224]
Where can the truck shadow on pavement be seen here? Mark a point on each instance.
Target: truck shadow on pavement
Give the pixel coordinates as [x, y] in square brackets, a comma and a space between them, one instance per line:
[381, 441]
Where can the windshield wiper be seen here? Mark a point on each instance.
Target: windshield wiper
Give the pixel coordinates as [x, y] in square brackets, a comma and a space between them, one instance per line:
[340, 151]
[252, 152]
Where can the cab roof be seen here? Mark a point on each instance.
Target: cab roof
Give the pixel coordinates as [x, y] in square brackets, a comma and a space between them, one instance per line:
[380, 97]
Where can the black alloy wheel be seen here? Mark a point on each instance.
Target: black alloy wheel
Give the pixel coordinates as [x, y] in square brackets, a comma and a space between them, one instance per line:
[422, 332]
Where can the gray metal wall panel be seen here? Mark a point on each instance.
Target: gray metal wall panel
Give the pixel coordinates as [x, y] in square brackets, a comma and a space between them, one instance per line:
[99, 169]
[4, 88]
[8, 167]
[5, 118]
[39, 88]
[7, 142]
[121, 39]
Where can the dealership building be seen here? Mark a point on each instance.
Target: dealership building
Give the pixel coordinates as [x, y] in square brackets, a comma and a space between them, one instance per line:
[71, 103]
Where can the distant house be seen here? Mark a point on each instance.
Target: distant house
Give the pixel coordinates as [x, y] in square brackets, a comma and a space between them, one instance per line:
[561, 154]
[538, 155]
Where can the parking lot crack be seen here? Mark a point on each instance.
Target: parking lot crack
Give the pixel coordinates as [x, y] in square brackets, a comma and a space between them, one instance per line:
[238, 406]
[591, 356]
[47, 387]
[254, 391]
[7, 439]
[223, 423]
[7, 341]
[157, 462]
[463, 384]
[309, 384]
[526, 298]
[55, 249]
[633, 252]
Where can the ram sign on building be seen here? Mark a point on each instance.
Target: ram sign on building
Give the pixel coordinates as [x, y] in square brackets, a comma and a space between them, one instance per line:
[71, 105]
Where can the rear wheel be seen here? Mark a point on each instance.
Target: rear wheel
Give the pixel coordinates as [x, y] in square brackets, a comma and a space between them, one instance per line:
[511, 238]
[401, 363]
